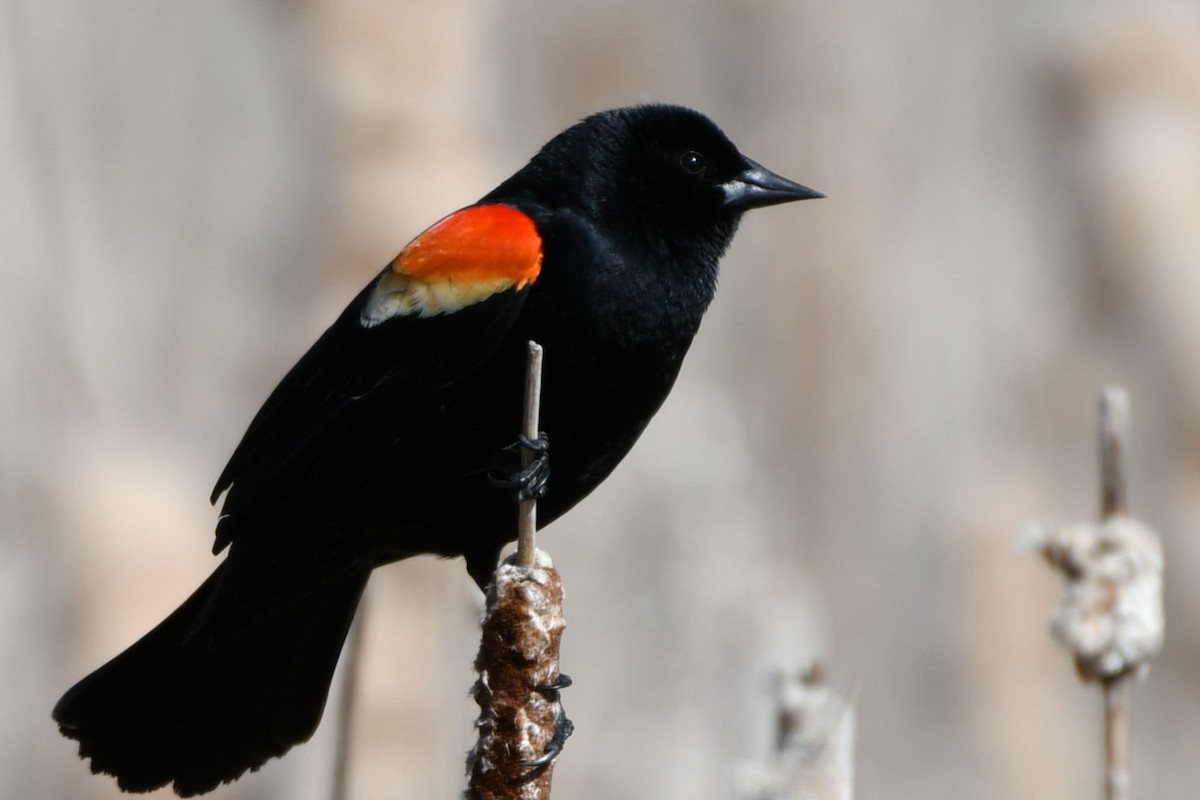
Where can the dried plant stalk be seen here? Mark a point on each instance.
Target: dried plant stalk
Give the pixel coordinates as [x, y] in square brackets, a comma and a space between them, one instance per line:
[519, 712]
[814, 744]
[1111, 617]
[527, 514]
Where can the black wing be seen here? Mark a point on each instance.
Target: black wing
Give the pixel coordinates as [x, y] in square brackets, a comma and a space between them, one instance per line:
[359, 393]
[382, 374]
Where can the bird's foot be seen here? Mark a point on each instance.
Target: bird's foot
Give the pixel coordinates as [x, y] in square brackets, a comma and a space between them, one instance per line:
[563, 727]
[529, 480]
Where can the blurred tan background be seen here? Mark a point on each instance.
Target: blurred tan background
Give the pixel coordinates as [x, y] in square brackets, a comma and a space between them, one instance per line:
[890, 383]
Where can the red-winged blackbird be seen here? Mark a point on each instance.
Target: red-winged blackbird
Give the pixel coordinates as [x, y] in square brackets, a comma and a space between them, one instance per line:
[383, 440]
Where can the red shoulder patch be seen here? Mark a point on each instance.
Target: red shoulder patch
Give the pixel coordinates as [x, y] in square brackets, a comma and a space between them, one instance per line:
[480, 243]
[461, 260]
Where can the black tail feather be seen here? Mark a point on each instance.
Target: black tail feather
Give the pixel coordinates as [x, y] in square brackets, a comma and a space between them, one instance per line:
[197, 704]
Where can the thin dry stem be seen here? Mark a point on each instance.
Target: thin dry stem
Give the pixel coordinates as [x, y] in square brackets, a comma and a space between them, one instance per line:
[1117, 775]
[1114, 441]
[527, 519]
[1118, 691]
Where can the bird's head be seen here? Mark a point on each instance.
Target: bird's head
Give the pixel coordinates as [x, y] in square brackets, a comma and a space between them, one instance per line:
[655, 167]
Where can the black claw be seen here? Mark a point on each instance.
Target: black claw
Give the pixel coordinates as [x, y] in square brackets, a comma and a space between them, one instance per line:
[528, 481]
[551, 690]
[563, 727]
[539, 446]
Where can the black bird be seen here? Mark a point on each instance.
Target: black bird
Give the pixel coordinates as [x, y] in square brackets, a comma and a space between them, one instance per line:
[387, 439]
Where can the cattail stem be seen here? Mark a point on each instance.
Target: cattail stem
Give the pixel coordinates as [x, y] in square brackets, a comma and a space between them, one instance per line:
[527, 519]
[519, 712]
[1118, 689]
[1114, 441]
[814, 744]
[521, 726]
[1118, 694]
[1111, 616]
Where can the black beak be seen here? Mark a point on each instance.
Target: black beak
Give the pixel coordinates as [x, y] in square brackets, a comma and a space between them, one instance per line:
[757, 186]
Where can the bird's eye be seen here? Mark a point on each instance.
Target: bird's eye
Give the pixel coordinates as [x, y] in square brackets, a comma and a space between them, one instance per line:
[692, 162]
